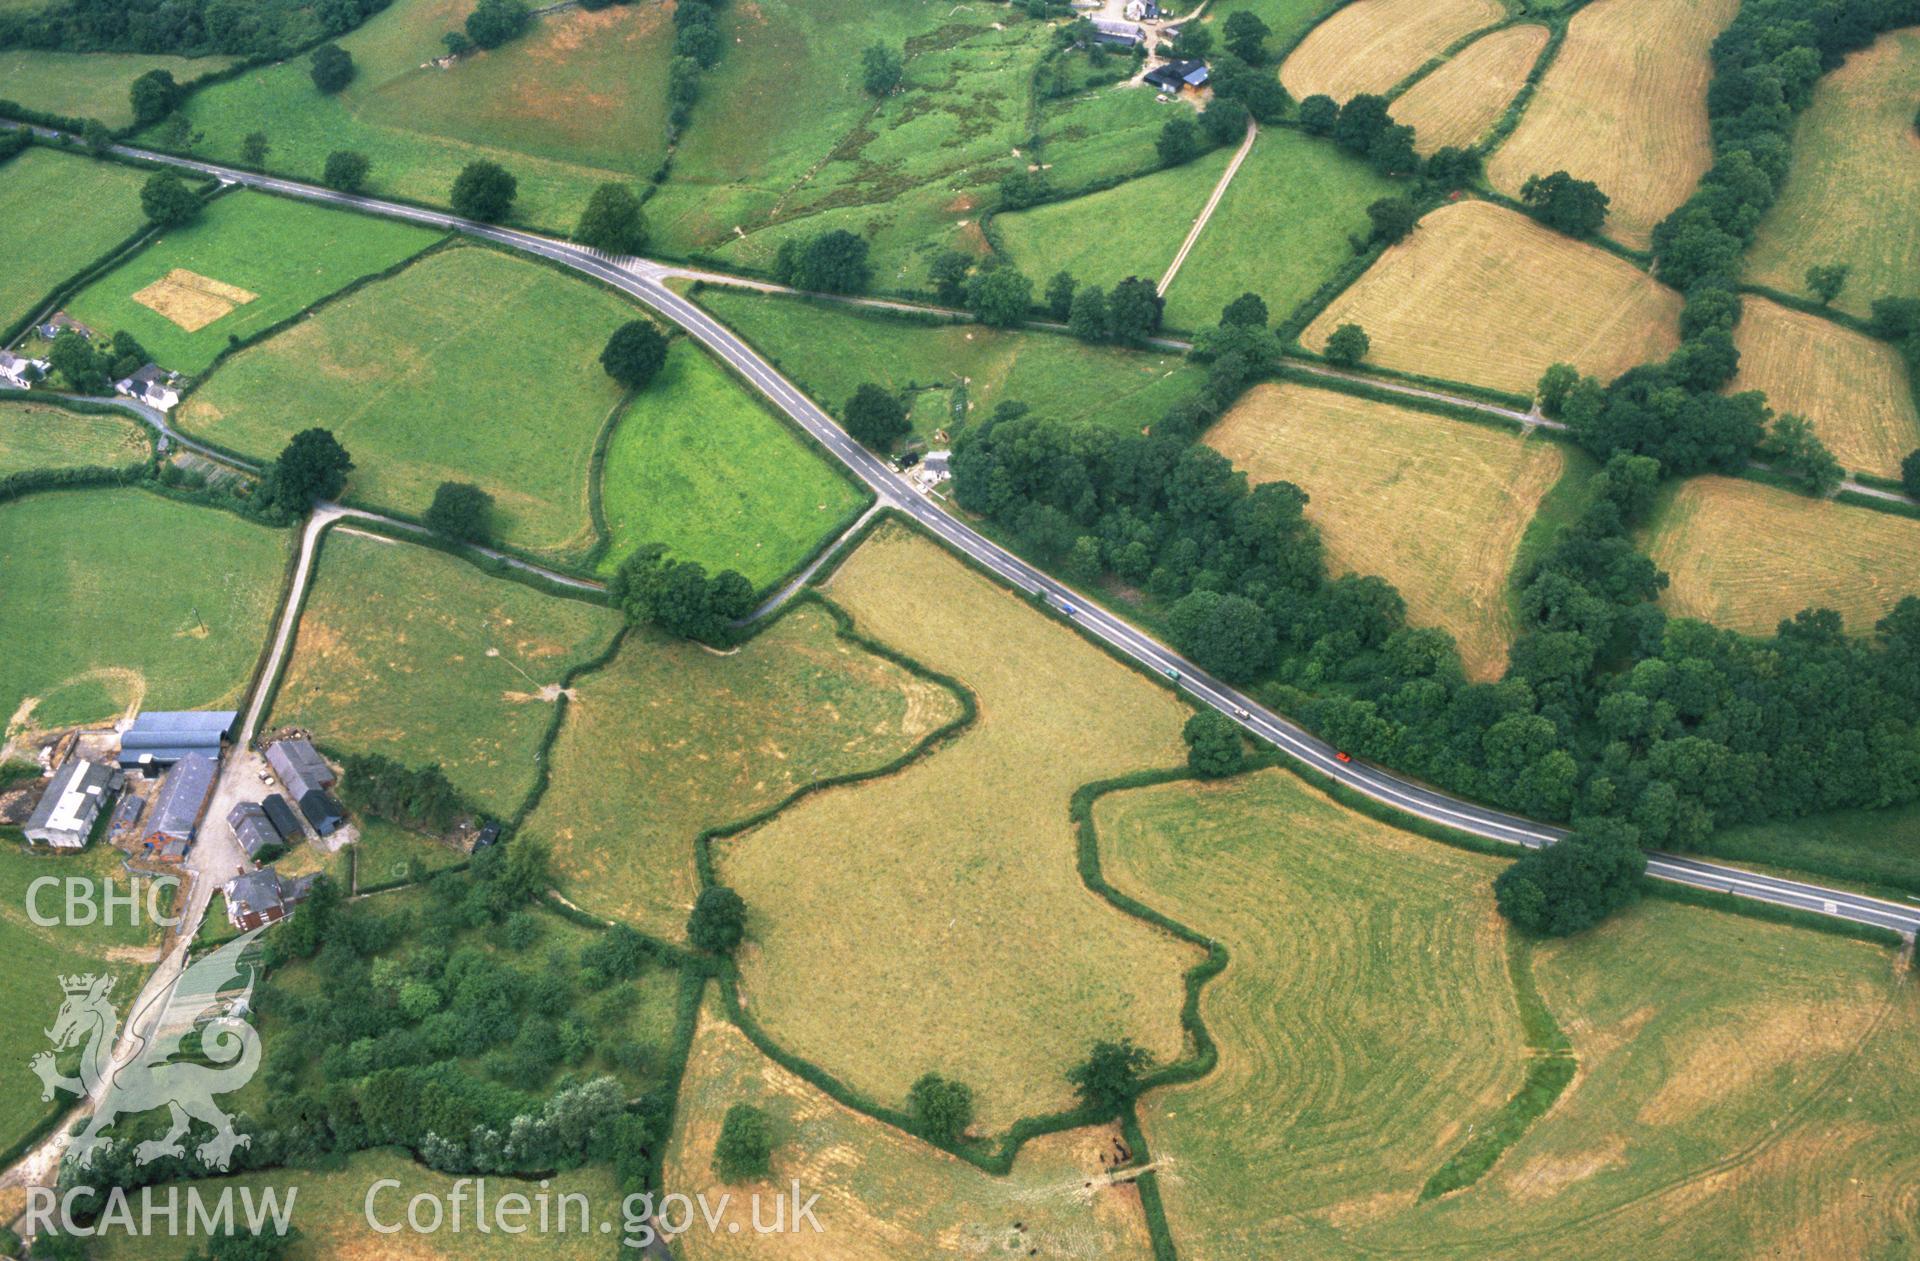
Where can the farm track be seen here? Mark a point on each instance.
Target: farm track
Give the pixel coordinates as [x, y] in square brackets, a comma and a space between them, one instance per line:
[644, 281]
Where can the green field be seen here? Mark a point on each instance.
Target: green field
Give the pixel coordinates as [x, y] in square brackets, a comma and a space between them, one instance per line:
[1871, 847]
[670, 738]
[330, 1212]
[830, 351]
[89, 85]
[911, 173]
[409, 652]
[1289, 20]
[72, 209]
[386, 852]
[287, 254]
[1280, 231]
[38, 955]
[40, 436]
[136, 600]
[420, 391]
[1743, 1089]
[699, 464]
[577, 101]
[1366, 1005]
[1133, 229]
[1856, 162]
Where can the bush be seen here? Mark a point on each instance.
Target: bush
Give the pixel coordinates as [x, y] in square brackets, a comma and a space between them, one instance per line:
[1348, 345]
[461, 511]
[168, 201]
[942, 1109]
[613, 221]
[1214, 748]
[875, 417]
[745, 1147]
[494, 22]
[346, 171]
[880, 70]
[331, 68]
[484, 191]
[718, 921]
[830, 262]
[634, 354]
[1179, 141]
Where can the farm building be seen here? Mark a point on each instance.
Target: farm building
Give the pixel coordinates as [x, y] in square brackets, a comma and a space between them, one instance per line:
[1125, 34]
[299, 766]
[281, 815]
[263, 897]
[62, 323]
[322, 811]
[21, 373]
[255, 831]
[178, 806]
[152, 385]
[157, 740]
[1177, 75]
[65, 816]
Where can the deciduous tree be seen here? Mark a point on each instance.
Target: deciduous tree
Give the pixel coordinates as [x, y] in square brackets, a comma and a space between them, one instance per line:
[167, 201]
[1214, 747]
[613, 221]
[719, 920]
[331, 68]
[1348, 345]
[942, 1108]
[875, 417]
[485, 191]
[346, 171]
[880, 70]
[462, 511]
[634, 354]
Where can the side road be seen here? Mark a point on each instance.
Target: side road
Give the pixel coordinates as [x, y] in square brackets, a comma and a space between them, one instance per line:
[644, 281]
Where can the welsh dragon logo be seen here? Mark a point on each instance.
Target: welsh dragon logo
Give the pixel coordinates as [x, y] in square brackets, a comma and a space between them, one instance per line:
[154, 1074]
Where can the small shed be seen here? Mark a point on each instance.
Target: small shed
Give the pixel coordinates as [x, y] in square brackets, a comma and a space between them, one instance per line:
[322, 811]
[179, 806]
[255, 831]
[299, 766]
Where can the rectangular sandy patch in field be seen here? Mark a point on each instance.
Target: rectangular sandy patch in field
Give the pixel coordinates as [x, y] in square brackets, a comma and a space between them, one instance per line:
[1485, 295]
[1435, 506]
[935, 919]
[1458, 102]
[1371, 45]
[191, 300]
[1853, 388]
[1624, 105]
[1747, 556]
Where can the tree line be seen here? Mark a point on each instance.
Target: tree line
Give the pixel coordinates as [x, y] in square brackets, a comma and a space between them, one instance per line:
[187, 28]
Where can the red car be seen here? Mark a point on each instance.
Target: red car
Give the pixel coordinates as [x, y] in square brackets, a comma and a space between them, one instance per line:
[1343, 756]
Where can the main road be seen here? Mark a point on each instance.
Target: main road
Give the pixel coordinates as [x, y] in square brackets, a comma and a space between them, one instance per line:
[645, 281]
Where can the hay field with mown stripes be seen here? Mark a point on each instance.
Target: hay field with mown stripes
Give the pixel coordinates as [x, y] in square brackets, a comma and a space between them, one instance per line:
[1485, 295]
[1624, 105]
[1371, 45]
[1746, 556]
[1458, 102]
[1852, 387]
[1434, 506]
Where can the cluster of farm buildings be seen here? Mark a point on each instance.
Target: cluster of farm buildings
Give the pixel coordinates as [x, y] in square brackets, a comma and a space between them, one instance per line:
[152, 796]
[150, 384]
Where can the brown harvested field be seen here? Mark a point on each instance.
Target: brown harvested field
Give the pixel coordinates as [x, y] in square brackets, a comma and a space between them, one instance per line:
[1434, 506]
[1483, 294]
[1746, 556]
[670, 738]
[1370, 45]
[1624, 105]
[1458, 102]
[1853, 388]
[936, 919]
[883, 1195]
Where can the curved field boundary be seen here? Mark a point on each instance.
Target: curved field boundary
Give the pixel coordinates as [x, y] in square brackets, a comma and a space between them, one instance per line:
[1548, 1075]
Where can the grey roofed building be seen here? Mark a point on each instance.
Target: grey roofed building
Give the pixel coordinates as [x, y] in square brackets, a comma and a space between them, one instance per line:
[322, 811]
[178, 805]
[299, 766]
[1176, 75]
[65, 816]
[1127, 34]
[161, 738]
[254, 830]
[262, 897]
[281, 815]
